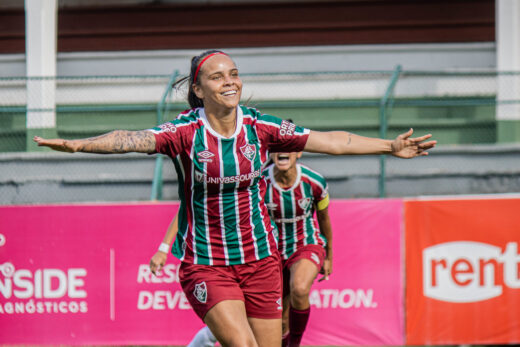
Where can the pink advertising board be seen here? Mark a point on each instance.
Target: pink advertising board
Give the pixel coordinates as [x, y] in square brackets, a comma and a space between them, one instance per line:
[362, 302]
[78, 275]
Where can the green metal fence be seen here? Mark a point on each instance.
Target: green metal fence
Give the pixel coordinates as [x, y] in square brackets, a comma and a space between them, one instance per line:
[459, 108]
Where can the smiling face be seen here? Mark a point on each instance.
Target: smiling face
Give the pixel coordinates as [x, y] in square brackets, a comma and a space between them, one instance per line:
[219, 85]
[285, 161]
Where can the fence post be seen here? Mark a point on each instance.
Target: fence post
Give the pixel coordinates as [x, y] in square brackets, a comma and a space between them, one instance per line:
[157, 182]
[383, 126]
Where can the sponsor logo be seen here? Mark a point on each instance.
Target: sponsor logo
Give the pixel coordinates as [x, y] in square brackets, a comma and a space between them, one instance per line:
[287, 128]
[249, 151]
[168, 127]
[271, 205]
[467, 271]
[201, 292]
[205, 156]
[279, 303]
[315, 257]
[304, 203]
[201, 177]
[2, 240]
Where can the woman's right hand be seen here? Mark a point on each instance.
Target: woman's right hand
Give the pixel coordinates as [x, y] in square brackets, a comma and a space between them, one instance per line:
[157, 262]
[61, 145]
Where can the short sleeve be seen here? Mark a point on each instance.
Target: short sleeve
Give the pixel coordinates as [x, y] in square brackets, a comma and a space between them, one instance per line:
[281, 135]
[168, 139]
[321, 196]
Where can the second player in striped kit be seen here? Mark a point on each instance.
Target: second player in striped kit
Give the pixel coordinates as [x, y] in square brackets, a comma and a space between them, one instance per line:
[294, 193]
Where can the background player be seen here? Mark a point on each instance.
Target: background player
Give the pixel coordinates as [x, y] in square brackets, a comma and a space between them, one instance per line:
[294, 193]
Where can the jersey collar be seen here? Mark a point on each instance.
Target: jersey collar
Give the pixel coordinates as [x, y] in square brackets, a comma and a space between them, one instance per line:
[240, 117]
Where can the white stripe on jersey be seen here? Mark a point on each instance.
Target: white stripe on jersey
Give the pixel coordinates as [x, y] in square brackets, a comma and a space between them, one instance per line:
[237, 213]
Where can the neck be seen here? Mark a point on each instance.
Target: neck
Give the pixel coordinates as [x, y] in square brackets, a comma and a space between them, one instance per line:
[285, 179]
[223, 121]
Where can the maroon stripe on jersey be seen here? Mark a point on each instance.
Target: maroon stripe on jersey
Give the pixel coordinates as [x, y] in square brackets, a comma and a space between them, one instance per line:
[298, 211]
[213, 204]
[266, 218]
[244, 196]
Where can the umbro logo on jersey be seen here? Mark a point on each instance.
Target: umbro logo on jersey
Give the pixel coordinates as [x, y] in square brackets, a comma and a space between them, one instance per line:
[205, 156]
[168, 127]
[249, 151]
[304, 203]
[271, 205]
[201, 292]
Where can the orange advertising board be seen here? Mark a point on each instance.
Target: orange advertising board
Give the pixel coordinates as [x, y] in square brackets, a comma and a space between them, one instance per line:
[462, 271]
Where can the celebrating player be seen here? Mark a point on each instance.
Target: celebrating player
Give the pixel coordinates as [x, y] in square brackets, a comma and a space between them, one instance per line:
[294, 193]
[230, 269]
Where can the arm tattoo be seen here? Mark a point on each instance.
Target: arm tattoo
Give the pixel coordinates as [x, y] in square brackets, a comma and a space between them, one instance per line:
[120, 141]
[349, 138]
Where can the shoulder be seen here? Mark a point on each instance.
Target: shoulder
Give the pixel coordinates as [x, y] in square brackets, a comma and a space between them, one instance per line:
[255, 117]
[313, 176]
[185, 120]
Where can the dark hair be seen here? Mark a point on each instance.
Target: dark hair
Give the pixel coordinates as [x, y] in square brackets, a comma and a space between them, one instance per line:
[193, 100]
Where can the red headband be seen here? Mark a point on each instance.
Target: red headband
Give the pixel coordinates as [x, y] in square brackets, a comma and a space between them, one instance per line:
[202, 62]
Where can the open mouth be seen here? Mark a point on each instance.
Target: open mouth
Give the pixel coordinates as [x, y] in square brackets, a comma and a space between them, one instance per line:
[283, 158]
[229, 93]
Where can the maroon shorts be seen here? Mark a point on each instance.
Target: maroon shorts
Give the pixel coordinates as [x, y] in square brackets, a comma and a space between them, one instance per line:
[257, 284]
[316, 254]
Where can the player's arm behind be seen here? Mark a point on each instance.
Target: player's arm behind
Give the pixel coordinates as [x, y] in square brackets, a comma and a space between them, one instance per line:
[322, 213]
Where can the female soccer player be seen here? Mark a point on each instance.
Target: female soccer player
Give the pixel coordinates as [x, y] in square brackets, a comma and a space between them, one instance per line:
[294, 192]
[230, 263]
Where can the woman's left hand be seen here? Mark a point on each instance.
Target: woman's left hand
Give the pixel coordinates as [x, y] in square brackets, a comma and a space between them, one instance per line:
[326, 269]
[405, 147]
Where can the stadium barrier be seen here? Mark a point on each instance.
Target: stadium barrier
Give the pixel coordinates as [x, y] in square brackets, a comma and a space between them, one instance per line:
[78, 275]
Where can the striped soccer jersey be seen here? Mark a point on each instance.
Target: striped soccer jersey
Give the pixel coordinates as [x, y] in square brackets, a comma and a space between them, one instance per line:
[223, 219]
[292, 209]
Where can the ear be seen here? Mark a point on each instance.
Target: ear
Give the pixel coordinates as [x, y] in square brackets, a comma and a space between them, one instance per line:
[197, 90]
[299, 155]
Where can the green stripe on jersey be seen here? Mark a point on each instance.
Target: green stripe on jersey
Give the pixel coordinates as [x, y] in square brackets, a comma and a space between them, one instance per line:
[229, 202]
[289, 228]
[199, 200]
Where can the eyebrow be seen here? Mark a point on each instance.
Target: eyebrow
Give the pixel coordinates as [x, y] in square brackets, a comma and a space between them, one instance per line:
[221, 72]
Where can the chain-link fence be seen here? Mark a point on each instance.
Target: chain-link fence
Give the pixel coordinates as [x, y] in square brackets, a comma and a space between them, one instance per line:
[460, 108]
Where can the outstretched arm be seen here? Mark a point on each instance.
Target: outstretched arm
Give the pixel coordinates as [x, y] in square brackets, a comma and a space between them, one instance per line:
[117, 141]
[342, 142]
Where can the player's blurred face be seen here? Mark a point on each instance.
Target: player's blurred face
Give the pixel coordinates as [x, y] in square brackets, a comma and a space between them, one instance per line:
[219, 84]
[285, 161]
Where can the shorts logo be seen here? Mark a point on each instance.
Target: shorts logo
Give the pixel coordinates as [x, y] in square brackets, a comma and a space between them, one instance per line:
[249, 151]
[304, 203]
[201, 292]
[279, 303]
[205, 156]
[168, 127]
[315, 257]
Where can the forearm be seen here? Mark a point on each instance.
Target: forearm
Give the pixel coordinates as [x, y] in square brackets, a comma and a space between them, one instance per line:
[342, 142]
[117, 141]
[326, 230]
[171, 233]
